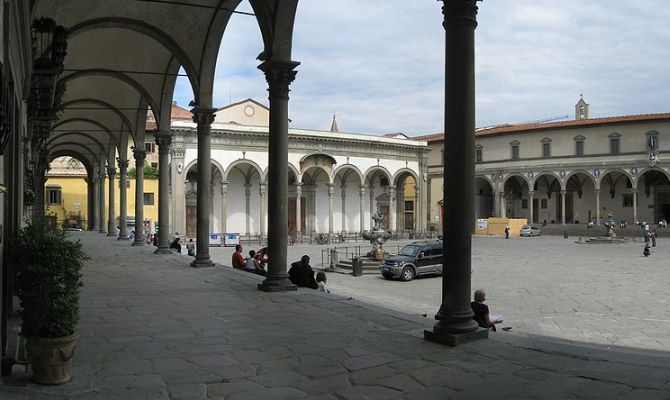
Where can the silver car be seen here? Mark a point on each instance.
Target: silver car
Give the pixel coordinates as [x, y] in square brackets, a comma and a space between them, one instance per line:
[530, 230]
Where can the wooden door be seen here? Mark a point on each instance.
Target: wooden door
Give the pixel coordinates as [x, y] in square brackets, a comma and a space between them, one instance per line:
[191, 221]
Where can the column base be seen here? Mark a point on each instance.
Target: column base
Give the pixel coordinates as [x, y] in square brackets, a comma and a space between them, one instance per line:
[163, 250]
[124, 237]
[455, 339]
[111, 234]
[138, 243]
[202, 263]
[277, 285]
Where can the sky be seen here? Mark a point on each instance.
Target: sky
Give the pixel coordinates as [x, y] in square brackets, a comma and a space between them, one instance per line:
[379, 65]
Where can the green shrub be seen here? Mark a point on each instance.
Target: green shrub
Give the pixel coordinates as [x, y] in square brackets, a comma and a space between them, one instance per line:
[149, 172]
[49, 280]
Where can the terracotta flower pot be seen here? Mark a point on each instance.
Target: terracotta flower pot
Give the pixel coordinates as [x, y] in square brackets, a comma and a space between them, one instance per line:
[50, 358]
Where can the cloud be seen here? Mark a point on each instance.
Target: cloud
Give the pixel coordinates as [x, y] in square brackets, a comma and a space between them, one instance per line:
[380, 65]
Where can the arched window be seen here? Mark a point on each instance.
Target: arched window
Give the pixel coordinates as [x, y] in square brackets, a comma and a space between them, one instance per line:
[579, 145]
[546, 148]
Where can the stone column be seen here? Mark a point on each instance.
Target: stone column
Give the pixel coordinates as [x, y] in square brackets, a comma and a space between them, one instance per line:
[531, 195]
[390, 190]
[298, 211]
[40, 185]
[204, 118]
[361, 207]
[261, 193]
[563, 192]
[101, 181]
[123, 198]
[503, 205]
[597, 193]
[163, 141]
[247, 202]
[496, 203]
[111, 227]
[178, 197]
[372, 203]
[211, 205]
[331, 209]
[634, 193]
[455, 324]
[279, 75]
[224, 207]
[429, 206]
[96, 202]
[140, 155]
[344, 208]
[417, 209]
[400, 208]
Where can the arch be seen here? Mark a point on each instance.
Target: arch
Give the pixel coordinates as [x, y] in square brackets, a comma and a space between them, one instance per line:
[276, 25]
[515, 174]
[144, 29]
[92, 122]
[349, 167]
[74, 154]
[213, 163]
[210, 54]
[105, 105]
[241, 161]
[76, 133]
[115, 75]
[654, 169]
[596, 184]
[377, 169]
[294, 170]
[487, 179]
[55, 150]
[402, 171]
[537, 176]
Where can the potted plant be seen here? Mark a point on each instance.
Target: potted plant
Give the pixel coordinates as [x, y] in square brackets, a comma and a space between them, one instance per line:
[48, 284]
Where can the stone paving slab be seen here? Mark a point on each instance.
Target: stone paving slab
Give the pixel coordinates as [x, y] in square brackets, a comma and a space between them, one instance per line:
[152, 327]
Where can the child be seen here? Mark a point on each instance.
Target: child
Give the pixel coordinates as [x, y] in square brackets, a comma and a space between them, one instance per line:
[251, 264]
[321, 280]
[647, 251]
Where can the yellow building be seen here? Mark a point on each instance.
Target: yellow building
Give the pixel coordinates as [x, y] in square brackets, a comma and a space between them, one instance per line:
[66, 194]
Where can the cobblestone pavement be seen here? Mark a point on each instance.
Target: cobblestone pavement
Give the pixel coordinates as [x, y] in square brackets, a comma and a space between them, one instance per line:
[154, 328]
[550, 286]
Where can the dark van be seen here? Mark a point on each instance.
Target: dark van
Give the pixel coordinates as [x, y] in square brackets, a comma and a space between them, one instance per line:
[417, 258]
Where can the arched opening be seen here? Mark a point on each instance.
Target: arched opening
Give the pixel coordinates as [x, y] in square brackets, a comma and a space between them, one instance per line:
[316, 191]
[547, 201]
[66, 193]
[654, 196]
[347, 204]
[581, 204]
[407, 200]
[616, 196]
[484, 201]
[515, 190]
[191, 197]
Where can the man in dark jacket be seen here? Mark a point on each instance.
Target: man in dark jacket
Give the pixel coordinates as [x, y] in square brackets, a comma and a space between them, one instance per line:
[301, 273]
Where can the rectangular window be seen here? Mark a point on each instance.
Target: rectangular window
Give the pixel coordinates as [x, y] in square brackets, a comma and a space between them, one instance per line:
[524, 203]
[614, 145]
[53, 195]
[148, 199]
[150, 147]
[478, 155]
[515, 152]
[627, 199]
[154, 165]
[409, 206]
[543, 203]
[579, 148]
[546, 150]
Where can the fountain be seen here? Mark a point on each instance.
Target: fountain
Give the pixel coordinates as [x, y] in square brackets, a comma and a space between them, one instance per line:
[377, 237]
[610, 235]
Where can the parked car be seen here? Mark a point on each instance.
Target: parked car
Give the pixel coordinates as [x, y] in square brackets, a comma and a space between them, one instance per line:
[530, 230]
[417, 258]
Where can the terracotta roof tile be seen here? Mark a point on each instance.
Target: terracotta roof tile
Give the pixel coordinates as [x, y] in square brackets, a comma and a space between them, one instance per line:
[177, 114]
[506, 129]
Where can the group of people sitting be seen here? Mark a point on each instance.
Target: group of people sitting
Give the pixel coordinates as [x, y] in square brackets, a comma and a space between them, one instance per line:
[301, 274]
[255, 263]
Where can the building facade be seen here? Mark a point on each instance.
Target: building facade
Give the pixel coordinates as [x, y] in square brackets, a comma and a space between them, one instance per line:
[567, 172]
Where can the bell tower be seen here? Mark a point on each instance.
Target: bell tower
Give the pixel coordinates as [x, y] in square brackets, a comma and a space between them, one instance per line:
[581, 109]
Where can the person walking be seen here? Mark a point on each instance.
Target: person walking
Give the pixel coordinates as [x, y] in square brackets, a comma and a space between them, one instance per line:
[653, 235]
[506, 231]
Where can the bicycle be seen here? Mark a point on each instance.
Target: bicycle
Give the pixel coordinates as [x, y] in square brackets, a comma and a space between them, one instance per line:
[290, 240]
[322, 238]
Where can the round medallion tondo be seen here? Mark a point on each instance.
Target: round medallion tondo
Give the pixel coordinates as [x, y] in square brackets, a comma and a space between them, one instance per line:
[248, 111]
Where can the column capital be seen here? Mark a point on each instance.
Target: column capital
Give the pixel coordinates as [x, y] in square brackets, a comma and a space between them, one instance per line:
[531, 193]
[362, 190]
[123, 165]
[460, 12]
[111, 171]
[139, 155]
[279, 75]
[596, 192]
[203, 116]
[331, 189]
[298, 189]
[563, 192]
[633, 190]
[176, 152]
[163, 141]
[262, 188]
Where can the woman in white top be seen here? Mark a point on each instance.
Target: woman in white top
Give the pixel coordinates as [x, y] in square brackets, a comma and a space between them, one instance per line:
[321, 280]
